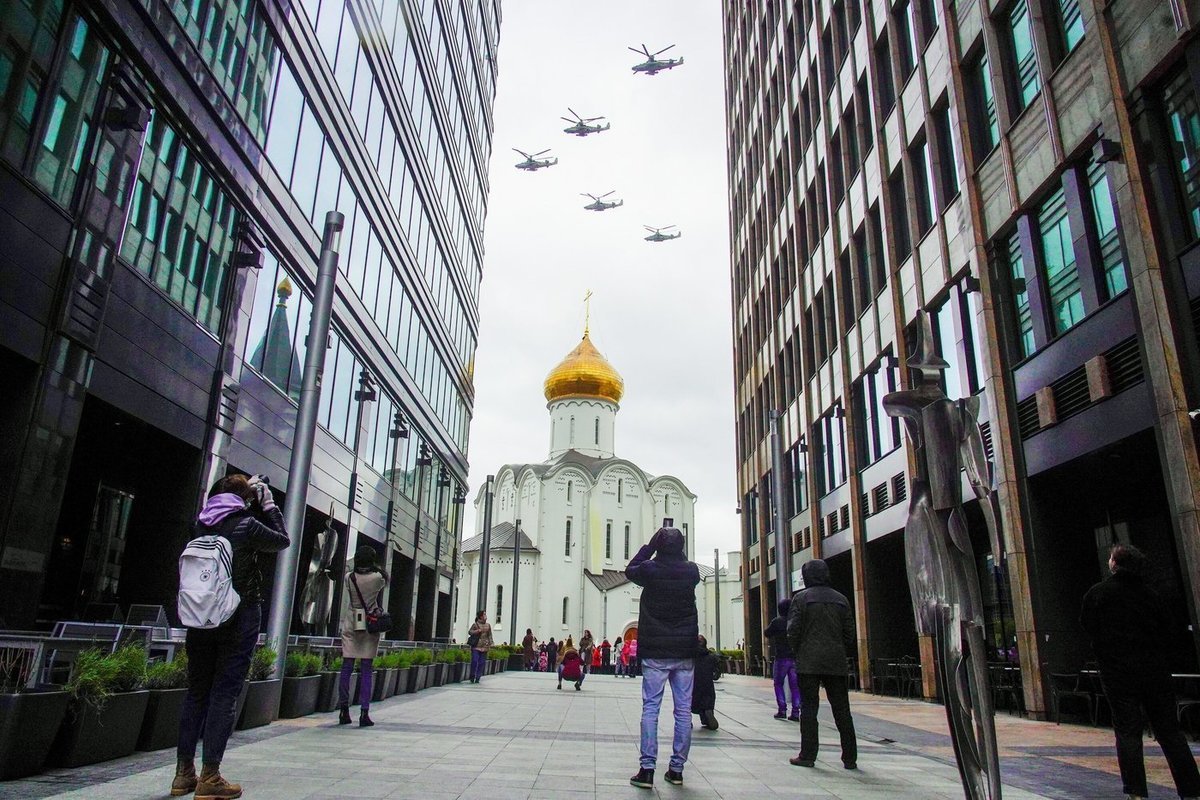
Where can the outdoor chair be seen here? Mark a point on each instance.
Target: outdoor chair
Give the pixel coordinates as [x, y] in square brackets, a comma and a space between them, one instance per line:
[883, 674]
[910, 679]
[1187, 699]
[1064, 686]
[1006, 685]
[852, 680]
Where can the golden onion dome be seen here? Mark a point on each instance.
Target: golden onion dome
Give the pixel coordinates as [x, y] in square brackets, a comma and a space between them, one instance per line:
[584, 373]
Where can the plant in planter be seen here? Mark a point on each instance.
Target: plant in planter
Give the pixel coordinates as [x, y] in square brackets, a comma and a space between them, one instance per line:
[385, 667]
[301, 684]
[262, 691]
[403, 661]
[421, 659]
[327, 696]
[107, 707]
[496, 658]
[29, 718]
[167, 684]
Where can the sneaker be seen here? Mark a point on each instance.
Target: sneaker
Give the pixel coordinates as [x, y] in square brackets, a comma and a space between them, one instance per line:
[674, 778]
[801, 762]
[644, 779]
[781, 715]
[185, 779]
[214, 787]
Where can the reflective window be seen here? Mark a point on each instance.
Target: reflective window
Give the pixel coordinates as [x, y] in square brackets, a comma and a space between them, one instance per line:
[1071, 22]
[279, 320]
[1059, 265]
[1024, 319]
[1104, 217]
[1027, 78]
[27, 44]
[1183, 119]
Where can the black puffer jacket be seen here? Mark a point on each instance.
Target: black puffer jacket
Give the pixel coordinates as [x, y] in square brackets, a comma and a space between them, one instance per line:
[777, 631]
[1127, 623]
[704, 690]
[820, 625]
[667, 620]
[249, 533]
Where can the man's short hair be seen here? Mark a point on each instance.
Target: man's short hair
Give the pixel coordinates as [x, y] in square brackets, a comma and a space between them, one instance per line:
[1128, 558]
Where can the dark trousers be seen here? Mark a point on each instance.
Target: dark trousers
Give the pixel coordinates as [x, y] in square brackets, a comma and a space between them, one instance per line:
[478, 661]
[218, 660]
[839, 701]
[365, 674]
[785, 673]
[1156, 699]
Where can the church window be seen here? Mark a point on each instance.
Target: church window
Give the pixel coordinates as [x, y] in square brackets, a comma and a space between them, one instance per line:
[568, 491]
[567, 550]
[597, 432]
[572, 432]
[566, 602]
[608, 541]
[499, 602]
[626, 541]
[620, 491]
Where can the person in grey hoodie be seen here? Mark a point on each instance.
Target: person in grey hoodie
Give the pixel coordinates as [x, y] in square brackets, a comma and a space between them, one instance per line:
[243, 511]
[821, 632]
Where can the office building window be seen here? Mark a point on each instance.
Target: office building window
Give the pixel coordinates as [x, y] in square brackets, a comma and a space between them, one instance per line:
[596, 431]
[830, 441]
[1065, 301]
[499, 603]
[1070, 18]
[948, 180]
[277, 344]
[608, 541]
[906, 38]
[567, 540]
[981, 105]
[878, 434]
[1183, 119]
[1104, 216]
[878, 255]
[918, 155]
[797, 467]
[1016, 264]
[886, 84]
[627, 541]
[929, 19]
[946, 320]
[899, 214]
[974, 328]
[1027, 81]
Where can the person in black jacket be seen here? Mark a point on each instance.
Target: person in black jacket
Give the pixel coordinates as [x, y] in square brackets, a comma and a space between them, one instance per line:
[668, 625]
[1127, 624]
[784, 663]
[704, 690]
[243, 511]
[821, 632]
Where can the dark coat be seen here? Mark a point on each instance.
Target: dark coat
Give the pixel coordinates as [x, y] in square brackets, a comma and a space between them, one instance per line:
[820, 625]
[249, 533]
[776, 632]
[1127, 623]
[668, 623]
[704, 690]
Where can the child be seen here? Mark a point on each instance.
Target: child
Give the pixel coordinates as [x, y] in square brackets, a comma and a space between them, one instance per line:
[704, 693]
[542, 660]
[595, 659]
[571, 668]
[618, 658]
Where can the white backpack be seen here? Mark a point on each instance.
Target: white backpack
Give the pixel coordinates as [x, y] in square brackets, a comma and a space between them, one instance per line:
[206, 595]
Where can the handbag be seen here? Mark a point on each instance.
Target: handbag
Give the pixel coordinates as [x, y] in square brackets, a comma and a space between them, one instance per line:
[472, 640]
[378, 621]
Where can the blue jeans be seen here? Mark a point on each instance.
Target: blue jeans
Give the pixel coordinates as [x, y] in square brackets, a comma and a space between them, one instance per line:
[656, 672]
[478, 659]
[218, 661]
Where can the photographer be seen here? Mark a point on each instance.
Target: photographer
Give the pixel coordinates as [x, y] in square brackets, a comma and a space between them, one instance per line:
[242, 510]
[364, 587]
[668, 627]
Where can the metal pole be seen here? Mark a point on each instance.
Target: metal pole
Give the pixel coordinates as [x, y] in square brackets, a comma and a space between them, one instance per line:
[485, 548]
[364, 394]
[288, 562]
[512, 619]
[717, 594]
[443, 481]
[783, 575]
[423, 461]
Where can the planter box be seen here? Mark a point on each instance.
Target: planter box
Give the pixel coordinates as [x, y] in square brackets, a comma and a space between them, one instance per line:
[457, 672]
[422, 677]
[88, 736]
[402, 680]
[299, 696]
[439, 674]
[327, 695]
[393, 687]
[29, 722]
[516, 661]
[262, 704]
[384, 685]
[160, 727]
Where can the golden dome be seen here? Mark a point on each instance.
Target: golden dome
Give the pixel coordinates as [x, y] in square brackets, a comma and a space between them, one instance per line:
[584, 373]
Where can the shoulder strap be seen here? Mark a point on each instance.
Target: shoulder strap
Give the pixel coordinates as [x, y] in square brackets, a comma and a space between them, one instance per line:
[358, 592]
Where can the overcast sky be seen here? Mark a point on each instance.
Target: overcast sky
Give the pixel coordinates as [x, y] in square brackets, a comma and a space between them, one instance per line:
[660, 311]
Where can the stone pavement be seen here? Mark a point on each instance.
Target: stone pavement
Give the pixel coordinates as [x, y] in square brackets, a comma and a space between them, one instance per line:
[515, 736]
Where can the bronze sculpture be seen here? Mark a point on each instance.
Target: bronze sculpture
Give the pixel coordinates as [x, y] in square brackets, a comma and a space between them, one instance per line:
[947, 600]
[314, 603]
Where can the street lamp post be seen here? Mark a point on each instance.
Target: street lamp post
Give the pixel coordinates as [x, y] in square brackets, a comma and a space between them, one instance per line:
[717, 594]
[486, 547]
[284, 590]
[512, 617]
[423, 461]
[443, 482]
[783, 575]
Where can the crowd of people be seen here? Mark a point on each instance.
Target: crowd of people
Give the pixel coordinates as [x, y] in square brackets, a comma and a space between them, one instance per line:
[599, 658]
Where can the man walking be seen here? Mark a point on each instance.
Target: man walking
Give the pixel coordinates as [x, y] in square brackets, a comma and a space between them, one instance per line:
[667, 627]
[784, 669]
[1126, 621]
[821, 632]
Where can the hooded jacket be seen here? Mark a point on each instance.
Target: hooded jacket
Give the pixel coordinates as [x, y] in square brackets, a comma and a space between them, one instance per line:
[776, 632]
[250, 531]
[820, 626]
[1126, 621]
[704, 690]
[668, 623]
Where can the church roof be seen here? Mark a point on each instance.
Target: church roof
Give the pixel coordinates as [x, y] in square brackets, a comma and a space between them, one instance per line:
[584, 373]
[608, 579]
[592, 465]
[502, 539]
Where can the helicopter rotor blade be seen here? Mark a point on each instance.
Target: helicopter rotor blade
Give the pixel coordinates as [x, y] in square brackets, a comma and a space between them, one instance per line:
[606, 194]
[585, 194]
[667, 228]
[547, 150]
[572, 121]
[574, 113]
[522, 152]
[651, 229]
[665, 49]
[592, 119]
[634, 49]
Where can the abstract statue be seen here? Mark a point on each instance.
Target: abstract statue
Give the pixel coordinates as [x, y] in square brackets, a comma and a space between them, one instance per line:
[941, 562]
[314, 608]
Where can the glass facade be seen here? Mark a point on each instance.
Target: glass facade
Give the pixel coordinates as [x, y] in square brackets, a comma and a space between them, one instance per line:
[1059, 264]
[1183, 118]
[1104, 217]
[1028, 79]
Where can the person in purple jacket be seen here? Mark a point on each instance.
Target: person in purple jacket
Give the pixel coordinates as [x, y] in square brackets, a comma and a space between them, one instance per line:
[243, 511]
[668, 627]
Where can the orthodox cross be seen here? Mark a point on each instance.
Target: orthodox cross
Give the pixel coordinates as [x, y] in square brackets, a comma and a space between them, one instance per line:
[587, 311]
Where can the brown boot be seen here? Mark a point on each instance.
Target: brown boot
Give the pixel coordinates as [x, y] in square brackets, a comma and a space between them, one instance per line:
[185, 778]
[214, 787]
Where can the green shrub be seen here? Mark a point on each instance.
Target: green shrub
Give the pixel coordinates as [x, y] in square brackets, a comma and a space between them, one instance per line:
[497, 653]
[301, 665]
[388, 661]
[98, 674]
[168, 674]
[333, 664]
[421, 656]
[737, 655]
[403, 659]
[262, 664]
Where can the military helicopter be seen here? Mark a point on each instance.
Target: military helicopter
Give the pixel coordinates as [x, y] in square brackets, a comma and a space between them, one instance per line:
[599, 204]
[531, 163]
[652, 66]
[580, 127]
[657, 235]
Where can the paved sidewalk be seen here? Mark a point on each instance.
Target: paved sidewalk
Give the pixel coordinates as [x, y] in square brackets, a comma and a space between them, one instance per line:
[515, 736]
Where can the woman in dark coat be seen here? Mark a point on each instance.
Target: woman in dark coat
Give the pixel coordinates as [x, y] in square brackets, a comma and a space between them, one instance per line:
[527, 649]
[704, 692]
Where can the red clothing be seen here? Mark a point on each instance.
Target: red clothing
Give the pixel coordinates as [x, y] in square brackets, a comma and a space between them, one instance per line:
[572, 666]
[596, 657]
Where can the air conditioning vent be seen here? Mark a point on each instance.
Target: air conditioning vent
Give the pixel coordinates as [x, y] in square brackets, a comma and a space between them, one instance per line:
[985, 431]
[832, 523]
[807, 538]
[820, 527]
[1071, 394]
[845, 517]
[865, 500]
[1027, 416]
[899, 489]
[1125, 365]
[881, 497]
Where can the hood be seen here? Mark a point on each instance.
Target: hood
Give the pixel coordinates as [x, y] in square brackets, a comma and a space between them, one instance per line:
[785, 604]
[815, 573]
[671, 544]
[220, 506]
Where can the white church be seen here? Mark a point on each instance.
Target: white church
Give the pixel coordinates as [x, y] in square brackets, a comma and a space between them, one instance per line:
[582, 514]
